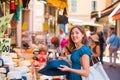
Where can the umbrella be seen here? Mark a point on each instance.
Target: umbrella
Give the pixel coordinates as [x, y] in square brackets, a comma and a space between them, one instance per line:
[58, 3]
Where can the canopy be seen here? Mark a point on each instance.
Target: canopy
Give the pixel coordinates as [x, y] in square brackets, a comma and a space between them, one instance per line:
[82, 22]
[58, 3]
[106, 12]
[115, 15]
[92, 24]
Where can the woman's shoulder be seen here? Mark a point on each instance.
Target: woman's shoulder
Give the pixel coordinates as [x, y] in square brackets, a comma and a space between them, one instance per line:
[85, 50]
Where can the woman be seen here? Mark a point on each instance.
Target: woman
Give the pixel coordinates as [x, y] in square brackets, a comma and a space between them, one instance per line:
[95, 47]
[80, 55]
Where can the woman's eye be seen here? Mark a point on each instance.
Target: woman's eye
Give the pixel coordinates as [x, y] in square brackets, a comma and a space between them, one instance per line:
[77, 32]
[72, 33]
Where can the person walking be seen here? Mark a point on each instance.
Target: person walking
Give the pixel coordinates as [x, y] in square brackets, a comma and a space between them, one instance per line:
[102, 45]
[80, 54]
[114, 43]
[95, 47]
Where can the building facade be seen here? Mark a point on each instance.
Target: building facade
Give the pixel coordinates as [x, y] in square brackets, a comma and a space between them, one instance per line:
[104, 19]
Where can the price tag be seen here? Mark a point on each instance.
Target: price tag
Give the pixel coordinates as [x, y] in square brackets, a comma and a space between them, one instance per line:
[4, 45]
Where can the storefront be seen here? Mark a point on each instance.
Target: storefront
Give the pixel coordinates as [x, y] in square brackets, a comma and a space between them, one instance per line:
[115, 16]
[104, 17]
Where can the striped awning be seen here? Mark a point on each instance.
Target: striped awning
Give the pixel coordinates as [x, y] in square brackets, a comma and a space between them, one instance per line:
[106, 12]
[115, 15]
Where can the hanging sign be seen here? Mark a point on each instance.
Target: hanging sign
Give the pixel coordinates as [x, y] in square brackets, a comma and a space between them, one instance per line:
[3, 23]
[4, 45]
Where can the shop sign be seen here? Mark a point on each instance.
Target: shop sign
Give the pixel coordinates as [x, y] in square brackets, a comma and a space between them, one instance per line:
[3, 23]
[4, 45]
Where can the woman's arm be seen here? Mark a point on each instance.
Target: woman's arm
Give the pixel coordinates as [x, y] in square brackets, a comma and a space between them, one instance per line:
[97, 54]
[85, 67]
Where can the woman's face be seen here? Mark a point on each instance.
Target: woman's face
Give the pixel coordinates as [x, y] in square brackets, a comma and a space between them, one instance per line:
[76, 35]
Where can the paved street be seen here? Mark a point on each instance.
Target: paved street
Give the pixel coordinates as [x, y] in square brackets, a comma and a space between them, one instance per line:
[113, 73]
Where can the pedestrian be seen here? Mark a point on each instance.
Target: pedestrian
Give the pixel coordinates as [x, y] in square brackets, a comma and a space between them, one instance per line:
[102, 45]
[114, 45]
[62, 21]
[95, 48]
[80, 54]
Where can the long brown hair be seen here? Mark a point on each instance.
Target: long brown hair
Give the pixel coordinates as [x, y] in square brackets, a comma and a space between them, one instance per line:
[84, 39]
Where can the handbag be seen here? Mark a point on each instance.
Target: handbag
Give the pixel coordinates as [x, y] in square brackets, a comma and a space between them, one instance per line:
[97, 72]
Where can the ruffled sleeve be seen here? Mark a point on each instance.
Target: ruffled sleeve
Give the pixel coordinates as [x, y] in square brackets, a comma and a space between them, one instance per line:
[85, 50]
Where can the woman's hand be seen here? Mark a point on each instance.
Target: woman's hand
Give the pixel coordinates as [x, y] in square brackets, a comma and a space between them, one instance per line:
[64, 68]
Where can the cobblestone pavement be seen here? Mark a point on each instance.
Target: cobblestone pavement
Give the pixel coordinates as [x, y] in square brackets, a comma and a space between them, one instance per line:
[113, 73]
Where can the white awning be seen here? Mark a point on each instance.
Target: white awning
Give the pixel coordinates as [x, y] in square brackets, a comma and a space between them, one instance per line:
[92, 24]
[72, 20]
[81, 22]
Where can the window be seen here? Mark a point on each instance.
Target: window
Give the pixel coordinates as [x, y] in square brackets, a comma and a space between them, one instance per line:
[94, 5]
[73, 5]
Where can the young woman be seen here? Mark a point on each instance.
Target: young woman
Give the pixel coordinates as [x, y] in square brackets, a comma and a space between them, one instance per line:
[95, 48]
[80, 55]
